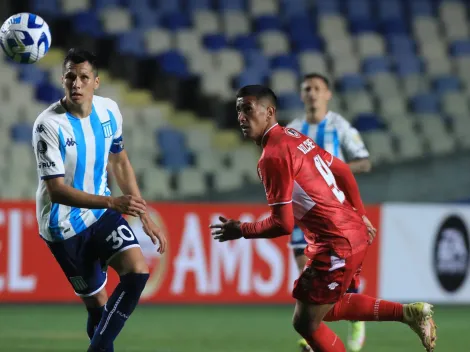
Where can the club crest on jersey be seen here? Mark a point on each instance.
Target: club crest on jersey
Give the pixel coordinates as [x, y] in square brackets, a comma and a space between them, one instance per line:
[107, 129]
[293, 133]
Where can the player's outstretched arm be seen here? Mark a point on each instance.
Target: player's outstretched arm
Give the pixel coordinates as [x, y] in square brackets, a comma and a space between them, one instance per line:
[61, 193]
[125, 177]
[360, 165]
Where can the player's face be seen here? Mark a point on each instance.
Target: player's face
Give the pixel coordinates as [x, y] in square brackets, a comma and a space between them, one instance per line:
[79, 82]
[315, 94]
[254, 116]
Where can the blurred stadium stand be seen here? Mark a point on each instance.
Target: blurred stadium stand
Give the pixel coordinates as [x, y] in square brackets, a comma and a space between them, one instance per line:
[401, 72]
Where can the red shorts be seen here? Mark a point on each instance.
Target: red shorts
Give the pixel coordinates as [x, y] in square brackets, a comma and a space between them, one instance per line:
[326, 278]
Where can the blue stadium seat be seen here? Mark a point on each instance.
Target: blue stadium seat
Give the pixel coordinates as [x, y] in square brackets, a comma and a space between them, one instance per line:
[101, 4]
[20, 132]
[408, 65]
[351, 82]
[294, 8]
[446, 83]
[225, 5]
[460, 48]
[176, 20]
[172, 143]
[425, 103]
[362, 25]
[358, 9]
[214, 42]
[394, 26]
[249, 76]
[48, 93]
[267, 23]
[307, 42]
[420, 8]
[137, 5]
[198, 5]
[289, 101]
[256, 61]
[399, 44]
[286, 61]
[390, 9]
[131, 42]
[300, 23]
[32, 74]
[328, 7]
[173, 63]
[173, 6]
[245, 42]
[50, 8]
[148, 18]
[88, 23]
[375, 64]
[367, 122]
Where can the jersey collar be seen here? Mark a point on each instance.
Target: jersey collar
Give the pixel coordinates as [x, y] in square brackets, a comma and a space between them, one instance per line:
[266, 134]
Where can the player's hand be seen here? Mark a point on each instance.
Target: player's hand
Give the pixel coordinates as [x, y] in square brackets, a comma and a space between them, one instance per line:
[129, 205]
[370, 228]
[227, 230]
[153, 231]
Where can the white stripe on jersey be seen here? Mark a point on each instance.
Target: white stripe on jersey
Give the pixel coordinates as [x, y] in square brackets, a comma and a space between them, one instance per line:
[78, 150]
[334, 134]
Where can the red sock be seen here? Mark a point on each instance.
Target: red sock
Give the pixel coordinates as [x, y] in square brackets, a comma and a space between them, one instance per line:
[325, 340]
[355, 306]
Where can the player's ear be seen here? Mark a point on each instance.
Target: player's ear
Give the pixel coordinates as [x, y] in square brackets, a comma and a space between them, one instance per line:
[329, 94]
[271, 112]
[63, 82]
[97, 82]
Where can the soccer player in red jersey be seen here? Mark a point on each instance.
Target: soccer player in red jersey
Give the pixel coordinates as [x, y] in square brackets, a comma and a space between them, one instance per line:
[307, 185]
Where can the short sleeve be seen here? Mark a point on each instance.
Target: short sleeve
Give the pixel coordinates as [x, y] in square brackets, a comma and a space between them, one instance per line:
[352, 144]
[277, 176]
[118, 144]
[48, 150]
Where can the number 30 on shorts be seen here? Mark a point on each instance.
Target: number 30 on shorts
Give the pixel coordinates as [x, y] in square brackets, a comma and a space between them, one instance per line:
[122, 234]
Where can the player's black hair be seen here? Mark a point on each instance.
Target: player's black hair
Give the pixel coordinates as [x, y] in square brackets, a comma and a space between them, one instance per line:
[317, 75]
[258, 91]
[77, 56]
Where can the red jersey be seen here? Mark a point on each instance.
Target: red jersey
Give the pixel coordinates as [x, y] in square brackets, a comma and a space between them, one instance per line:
[295, 169]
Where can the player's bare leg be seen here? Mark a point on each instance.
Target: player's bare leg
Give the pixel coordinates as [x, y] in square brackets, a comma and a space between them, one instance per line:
[301, 260]
[308, 322]
[133, 271]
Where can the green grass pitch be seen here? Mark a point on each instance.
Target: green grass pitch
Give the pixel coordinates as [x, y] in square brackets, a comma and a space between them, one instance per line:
[36, 328]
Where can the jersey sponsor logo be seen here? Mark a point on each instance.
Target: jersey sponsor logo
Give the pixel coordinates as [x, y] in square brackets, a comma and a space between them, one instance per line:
[40, 129]
[70, 142]
[41, 147]
[293, 133]
[107, 129]
[306, 146]
[333, 285]
[46, 165]
[451, 253]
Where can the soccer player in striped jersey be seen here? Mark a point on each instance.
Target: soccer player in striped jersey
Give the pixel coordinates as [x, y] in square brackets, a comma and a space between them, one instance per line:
[74, 140]
[335, 134]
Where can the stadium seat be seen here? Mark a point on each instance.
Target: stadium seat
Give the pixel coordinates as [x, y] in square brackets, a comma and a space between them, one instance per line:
[438, 67]
[362, 25]
[327, 7]
[446, 83]
[48, 93]
[146, 19]
[166, 7]
[425, 29]
[229, 61]
[293, 8]
[187, 42]
[157, 41]
[345, 65]
[390, 9]
[172, 144]
[369, 44]
[256, 61]
[461, 126]
[116, 20]
[392, 105]
[228, 5]
[74, 6]
[215, 42]
[425, 103]
[286, 62]
[249, 76]
[32, 74]
[421, 8]
[401, 45]
[410, 146]
[206, 22]
[191, 182]
[217, 84]
[367, 122]
[21, 132]
[358, 102]
[376, 64]
[358, 9]
[173, 63]
[267, 23]
[340, 49]
[438, 140]
[198, 5]
[284, 81]
[131, 42]
[384, 84]
[265, 7]
[415, 84]
[312, 61]
[210, 160]
[289, 101]
[460, 47]
[156, 183]
[351, 82]
[454, 103]
[408, 65]
[235, 23]
[273, 43]
[175, 21]
[394, 26]
[88, 23]
[227, 180]
[332, 26]
[380, 146]
[50, 8]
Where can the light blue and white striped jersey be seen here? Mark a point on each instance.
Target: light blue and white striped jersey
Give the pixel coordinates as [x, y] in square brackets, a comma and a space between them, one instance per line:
[334, 134]
[76, 149]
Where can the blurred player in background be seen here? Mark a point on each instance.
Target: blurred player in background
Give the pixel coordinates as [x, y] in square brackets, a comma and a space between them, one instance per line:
[74, 140]
[306, 183]
[334, 133]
